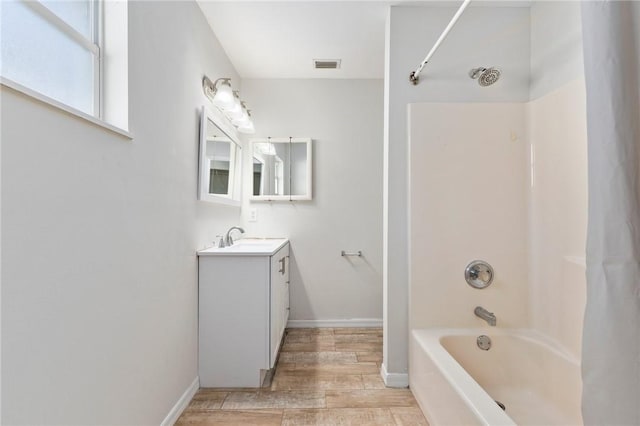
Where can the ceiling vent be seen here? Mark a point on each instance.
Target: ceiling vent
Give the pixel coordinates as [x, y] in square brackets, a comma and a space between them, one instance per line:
[326, 64]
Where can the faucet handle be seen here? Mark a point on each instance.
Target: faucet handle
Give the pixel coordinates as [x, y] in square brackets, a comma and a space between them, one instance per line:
[220, 241]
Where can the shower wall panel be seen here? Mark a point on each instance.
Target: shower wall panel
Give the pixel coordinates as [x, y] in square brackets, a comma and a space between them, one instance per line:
[468, 195]
[558, 214]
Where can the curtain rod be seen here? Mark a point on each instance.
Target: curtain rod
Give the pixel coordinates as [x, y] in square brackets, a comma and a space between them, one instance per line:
[415, 75]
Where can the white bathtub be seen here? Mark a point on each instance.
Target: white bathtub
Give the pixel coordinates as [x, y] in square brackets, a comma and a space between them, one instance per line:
[456, 383]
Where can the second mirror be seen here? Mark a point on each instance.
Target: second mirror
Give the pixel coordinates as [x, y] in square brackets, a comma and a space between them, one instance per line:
[281, 169]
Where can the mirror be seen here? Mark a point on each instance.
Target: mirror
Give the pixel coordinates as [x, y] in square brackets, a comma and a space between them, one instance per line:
[281, 169]
[220, 161]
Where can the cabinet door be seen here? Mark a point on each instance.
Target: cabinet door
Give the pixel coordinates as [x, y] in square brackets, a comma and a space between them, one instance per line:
[233, 317]
[285, 294]
[279, 299]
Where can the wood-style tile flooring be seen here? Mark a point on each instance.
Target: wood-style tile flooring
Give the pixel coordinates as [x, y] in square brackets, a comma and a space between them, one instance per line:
[325, 376]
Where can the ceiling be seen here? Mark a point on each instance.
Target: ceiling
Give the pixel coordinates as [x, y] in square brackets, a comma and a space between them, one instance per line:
[265, 39]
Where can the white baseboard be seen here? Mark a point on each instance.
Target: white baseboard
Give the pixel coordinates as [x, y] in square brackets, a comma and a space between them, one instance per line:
[394, 380]
[356, 323]
[182, 403]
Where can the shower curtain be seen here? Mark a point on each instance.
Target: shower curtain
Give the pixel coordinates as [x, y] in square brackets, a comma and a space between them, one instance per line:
[611, 339]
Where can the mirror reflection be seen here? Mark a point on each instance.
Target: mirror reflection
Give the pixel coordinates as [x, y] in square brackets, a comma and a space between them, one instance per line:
[281, 169]
[220, 155]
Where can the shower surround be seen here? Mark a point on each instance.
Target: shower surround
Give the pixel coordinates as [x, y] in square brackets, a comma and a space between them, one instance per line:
[504, 183]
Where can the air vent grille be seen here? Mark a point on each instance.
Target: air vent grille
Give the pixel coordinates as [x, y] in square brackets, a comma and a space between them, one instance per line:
[326, 64]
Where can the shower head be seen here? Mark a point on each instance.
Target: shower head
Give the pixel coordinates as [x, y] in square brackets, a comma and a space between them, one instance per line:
[485, 76]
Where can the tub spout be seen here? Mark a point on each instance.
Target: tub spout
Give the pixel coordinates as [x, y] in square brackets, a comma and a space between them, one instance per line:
[489, 317]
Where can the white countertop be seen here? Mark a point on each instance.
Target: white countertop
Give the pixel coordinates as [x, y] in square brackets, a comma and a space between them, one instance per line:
[247, 247]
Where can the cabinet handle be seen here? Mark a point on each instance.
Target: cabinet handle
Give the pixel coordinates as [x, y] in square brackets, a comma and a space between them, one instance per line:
[283, 262]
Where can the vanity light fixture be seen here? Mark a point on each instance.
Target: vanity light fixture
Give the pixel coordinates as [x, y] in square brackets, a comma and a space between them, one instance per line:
[228, 101]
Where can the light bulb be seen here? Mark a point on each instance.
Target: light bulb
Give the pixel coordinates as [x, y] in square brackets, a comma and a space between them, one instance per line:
[223, 97]
[247, 128]
[236, 111]
[242, 120]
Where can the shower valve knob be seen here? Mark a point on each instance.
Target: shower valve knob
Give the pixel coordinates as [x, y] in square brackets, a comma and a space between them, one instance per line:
[478, 274]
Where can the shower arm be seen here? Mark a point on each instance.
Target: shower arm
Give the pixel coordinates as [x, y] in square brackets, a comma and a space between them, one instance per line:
[415, 75]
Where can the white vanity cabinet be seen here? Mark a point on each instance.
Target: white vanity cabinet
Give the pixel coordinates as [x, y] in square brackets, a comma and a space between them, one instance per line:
[243, 311]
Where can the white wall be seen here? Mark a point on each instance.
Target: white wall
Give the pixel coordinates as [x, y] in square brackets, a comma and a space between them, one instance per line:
[468, 195]
[556, 45]
[344, 119]
[99, 233]
[484, 36]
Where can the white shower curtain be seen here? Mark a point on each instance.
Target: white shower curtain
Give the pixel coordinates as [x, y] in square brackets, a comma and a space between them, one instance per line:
[611, 340]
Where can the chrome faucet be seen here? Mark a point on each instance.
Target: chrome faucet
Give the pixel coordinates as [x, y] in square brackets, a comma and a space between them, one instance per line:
[489, 317]
[228, 241]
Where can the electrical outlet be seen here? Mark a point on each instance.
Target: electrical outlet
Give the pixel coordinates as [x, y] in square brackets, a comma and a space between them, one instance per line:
[253, 215]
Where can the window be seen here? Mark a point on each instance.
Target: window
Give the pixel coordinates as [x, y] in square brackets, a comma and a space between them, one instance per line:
[53, 47]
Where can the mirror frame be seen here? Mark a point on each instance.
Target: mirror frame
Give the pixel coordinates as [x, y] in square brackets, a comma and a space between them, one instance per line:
[235, 196]
[306, 197]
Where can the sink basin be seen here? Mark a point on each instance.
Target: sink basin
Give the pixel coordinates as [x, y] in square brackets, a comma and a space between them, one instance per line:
[246, 244]
[248, 247]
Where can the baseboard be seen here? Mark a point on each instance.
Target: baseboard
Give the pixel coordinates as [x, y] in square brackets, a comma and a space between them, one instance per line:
[394, 380]
[356, 323]
[182, 403]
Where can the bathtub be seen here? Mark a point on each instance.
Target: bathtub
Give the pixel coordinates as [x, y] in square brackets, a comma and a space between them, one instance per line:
[456, 383]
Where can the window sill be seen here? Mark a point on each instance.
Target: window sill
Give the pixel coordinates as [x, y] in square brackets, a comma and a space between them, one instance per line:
[66, 108]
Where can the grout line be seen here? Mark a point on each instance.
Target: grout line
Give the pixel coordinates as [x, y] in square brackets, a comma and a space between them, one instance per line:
[224, 400]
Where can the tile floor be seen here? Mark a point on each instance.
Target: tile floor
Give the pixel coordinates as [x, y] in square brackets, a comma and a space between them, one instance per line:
[325, 376]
